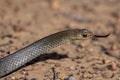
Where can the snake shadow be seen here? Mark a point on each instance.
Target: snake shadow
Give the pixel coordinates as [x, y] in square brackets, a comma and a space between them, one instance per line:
[47, 56]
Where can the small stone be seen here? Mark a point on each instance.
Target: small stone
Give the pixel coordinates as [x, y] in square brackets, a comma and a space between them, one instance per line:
[106, 61]
[25, 73]
[91, 49]
[72, 68]
[113, 66]
[82, 67]
[17, 28]
[13, 78]
[71, 78]
[78, 62]
[57, 65]
[85, 75]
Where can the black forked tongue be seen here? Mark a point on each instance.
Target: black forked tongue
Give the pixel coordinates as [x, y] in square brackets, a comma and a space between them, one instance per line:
[101, 36]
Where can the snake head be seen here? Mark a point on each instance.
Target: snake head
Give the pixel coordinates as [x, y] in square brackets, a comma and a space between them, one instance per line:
[82, 34]
[85, 34]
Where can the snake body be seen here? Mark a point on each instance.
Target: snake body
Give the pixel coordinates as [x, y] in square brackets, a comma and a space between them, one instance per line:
[16, 60]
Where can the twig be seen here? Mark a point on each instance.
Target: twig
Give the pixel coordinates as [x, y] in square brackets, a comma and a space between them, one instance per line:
[54, 73]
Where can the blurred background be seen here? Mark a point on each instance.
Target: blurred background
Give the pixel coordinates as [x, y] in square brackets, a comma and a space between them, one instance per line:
[25, 21]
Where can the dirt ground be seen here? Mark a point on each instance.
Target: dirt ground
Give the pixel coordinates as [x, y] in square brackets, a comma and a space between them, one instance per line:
[25, 21]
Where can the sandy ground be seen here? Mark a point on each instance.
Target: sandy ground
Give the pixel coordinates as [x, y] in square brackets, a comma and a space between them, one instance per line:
[25, 21]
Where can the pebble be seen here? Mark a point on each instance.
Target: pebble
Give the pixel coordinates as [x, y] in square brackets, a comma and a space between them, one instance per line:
[91, 49]
[72, 68]
[57, 64]
[13, 78]
[70, 77]
[106, 61]
[25, 73]
[113, 66]
[17, 28]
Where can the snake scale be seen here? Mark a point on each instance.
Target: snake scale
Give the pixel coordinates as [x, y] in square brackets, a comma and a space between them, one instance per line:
[18, 59]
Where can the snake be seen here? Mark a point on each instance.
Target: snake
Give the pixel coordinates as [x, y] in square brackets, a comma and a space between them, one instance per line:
[13, 62]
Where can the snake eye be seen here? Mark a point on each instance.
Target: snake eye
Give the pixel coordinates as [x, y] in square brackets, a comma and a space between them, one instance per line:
[85, 35]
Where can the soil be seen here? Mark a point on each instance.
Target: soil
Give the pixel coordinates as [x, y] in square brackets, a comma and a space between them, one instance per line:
[22, 22]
